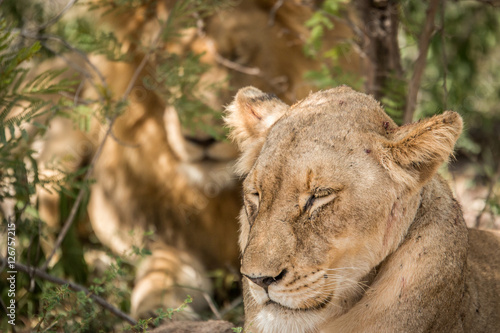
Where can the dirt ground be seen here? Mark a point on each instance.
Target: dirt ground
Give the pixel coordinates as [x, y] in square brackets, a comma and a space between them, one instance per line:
[472, 194]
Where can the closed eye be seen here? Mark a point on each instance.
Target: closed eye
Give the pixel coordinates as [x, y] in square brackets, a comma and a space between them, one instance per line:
[320, 198]
[254, 198]
[251, 200]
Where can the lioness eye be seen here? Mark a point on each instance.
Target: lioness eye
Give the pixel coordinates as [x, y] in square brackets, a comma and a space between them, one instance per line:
[251, 204]
[323, 192]
[254, 196]
[320, 197]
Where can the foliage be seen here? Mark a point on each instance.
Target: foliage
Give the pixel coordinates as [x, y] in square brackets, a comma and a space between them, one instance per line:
[85, 36]
[20, 104]
[462, 74]
[331, 73]
[177, 79]
[161, 315]
[27, 106]
[24, 111]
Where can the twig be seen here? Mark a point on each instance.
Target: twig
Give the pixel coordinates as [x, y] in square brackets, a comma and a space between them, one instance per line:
[2, 304]
[46, 37]
[445, 59]
[212, 306]
[237, 301]
[77, 51]
[70, 63]
[423, 46]
[346, 19]
[79, 198]
[231, 64]
[200, 26]
[77, 99]
[78, 91]
[493, 181]
[206, 296]
[493, 3]
[50, 326]
[76, 287]
[274, 10]
[54, 20]
[122, 143]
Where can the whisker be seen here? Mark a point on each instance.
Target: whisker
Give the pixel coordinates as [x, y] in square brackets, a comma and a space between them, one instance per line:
[341, 268]
[339, 277]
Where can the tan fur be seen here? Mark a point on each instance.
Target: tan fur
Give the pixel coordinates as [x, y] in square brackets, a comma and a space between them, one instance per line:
[347, 227]
[150, 176]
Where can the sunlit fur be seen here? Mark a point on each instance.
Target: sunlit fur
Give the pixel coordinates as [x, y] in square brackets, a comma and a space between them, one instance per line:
[347, 228]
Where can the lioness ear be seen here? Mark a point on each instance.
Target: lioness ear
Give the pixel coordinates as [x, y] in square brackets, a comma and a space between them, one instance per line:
[249, 118]
[417, 150]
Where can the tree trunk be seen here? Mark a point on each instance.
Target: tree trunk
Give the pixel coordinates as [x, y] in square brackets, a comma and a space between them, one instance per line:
[379, 20]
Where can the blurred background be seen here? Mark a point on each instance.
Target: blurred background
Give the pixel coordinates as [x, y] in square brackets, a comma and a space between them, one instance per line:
[115, 169]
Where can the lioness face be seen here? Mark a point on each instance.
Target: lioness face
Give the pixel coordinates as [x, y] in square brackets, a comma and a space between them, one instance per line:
[310, 231]
[310, 234]
[322, 206]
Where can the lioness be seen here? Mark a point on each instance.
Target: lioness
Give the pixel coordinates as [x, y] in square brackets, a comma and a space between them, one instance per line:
[346, 226]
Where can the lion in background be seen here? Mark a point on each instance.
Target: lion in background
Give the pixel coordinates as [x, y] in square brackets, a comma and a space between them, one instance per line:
[346, 226]
[153, 174]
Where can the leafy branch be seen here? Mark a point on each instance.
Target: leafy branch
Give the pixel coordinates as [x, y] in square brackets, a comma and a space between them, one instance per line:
[73, 286]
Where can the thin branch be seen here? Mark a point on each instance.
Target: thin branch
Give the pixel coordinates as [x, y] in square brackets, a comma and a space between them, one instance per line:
[231, 64]
[346, 19]
[45, 37]
[47, 329]
[78, 201]
[79, 198]
[212, 305]
[56, 18]
[419, 67]
[274, 10]
[493, 180]
[2, 304]
[236, 302]
[445, 58]
[76, 50]
[78, 91]
[122, 143]
[76, 287]
[254, 71]
[206, 296]
[493, 3]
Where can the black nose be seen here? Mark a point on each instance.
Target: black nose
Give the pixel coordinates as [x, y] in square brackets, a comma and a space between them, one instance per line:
[205, 142]
[266, 281]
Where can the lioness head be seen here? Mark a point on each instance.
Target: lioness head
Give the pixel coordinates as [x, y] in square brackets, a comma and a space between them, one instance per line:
[329, 192]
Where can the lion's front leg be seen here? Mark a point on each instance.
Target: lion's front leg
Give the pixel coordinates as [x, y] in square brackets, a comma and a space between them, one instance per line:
[165, 279]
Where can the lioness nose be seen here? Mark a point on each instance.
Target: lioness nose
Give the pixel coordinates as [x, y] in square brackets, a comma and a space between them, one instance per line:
[266, 281]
